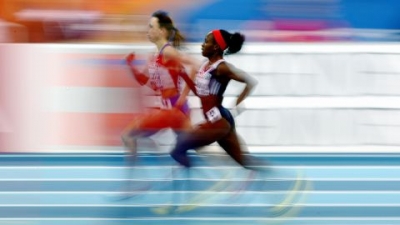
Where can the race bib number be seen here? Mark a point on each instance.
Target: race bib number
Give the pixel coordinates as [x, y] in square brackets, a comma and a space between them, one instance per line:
[213, 115]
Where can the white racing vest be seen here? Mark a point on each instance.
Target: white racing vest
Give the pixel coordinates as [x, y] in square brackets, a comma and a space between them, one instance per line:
[205, 85]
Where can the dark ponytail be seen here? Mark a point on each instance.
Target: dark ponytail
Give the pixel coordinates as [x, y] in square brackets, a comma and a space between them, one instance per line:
[231, 43]
[235, 43]
[176, 37]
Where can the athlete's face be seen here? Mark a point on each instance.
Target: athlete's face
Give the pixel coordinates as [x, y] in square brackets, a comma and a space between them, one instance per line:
[208, 47]
[154, 32]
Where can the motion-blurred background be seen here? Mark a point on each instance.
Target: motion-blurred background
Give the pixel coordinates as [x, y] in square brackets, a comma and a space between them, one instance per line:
[41, 21]
[328, 71]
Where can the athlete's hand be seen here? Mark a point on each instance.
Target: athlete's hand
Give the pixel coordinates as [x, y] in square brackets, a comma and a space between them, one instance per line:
[129, 59]
[238, 109]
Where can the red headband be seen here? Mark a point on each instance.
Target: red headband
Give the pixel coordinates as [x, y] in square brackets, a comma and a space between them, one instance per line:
[219, 39]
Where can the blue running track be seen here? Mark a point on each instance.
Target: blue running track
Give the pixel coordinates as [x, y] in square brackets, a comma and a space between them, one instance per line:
[294, 189]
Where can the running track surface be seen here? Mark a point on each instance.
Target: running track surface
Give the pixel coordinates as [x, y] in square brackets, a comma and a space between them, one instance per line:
[85, 189]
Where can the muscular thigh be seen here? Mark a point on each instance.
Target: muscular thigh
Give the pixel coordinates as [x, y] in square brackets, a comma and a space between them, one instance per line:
[205, 134]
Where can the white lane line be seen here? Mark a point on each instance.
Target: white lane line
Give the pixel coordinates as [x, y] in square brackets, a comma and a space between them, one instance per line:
[202, 179]
[200, 205]
[230, 219]
[336, 167]
[162, 155]
[317, 192]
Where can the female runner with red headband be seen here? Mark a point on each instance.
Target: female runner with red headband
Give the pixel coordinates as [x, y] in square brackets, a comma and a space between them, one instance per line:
[211, 82]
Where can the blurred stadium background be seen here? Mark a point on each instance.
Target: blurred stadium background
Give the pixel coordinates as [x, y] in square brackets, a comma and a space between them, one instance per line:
[328, 71]
[262, 20]
[339, 56]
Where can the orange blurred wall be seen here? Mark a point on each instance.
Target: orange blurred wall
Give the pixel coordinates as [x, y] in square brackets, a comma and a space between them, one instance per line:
[139, 7]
